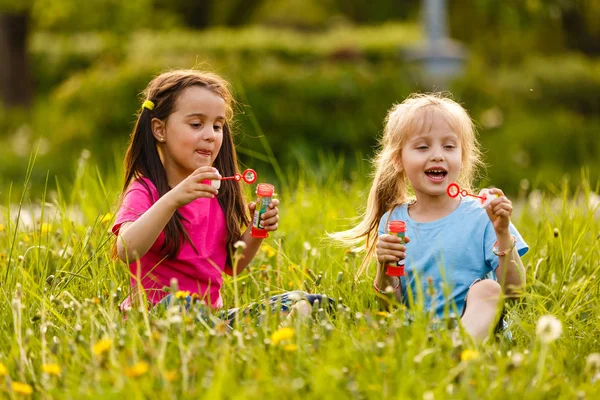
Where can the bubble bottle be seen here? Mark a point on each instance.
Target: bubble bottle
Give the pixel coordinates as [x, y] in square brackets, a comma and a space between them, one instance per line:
[396, 228]
[264, 192]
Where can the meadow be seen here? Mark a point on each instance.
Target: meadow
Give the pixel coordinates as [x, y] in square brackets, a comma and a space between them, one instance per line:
[62, 334]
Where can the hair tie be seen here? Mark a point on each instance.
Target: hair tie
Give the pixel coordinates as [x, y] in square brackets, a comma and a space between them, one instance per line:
[148, 104]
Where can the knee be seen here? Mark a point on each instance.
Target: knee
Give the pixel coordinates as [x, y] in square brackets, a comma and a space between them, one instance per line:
[487, 289]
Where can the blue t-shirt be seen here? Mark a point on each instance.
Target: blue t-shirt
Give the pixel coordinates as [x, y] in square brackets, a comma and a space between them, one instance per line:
[446, 256]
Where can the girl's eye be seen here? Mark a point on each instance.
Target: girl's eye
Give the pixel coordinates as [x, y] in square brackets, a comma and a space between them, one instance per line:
[217, 127]
[196, 125]
[422, 147]
[449, 146]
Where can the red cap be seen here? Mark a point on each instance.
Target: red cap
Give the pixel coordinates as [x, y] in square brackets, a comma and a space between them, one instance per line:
[265, 189]
[397, 226]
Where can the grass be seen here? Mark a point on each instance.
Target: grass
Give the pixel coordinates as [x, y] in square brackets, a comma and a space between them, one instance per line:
[62, 334]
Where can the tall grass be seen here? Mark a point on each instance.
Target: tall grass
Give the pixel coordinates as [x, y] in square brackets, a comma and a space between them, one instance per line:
[63, 336]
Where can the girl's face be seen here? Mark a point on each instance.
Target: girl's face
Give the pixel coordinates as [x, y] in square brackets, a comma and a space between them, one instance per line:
[432, 159]
[192, 135]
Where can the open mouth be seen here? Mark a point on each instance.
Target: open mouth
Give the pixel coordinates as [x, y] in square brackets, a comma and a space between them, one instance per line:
[436, 174]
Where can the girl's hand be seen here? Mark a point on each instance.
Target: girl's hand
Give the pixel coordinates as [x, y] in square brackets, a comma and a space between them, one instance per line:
[499, 211]
[270, 218]
[389, 248]
[192, 188]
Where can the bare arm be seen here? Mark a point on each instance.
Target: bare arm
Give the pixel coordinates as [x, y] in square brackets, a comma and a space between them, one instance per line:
[136, 238]
[510, 271]
[389, 249]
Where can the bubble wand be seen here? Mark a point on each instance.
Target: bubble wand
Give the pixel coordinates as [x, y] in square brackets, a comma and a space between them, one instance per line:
[249, 176]
[483, 198]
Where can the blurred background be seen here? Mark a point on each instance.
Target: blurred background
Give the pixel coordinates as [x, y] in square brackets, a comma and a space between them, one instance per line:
[314, 78]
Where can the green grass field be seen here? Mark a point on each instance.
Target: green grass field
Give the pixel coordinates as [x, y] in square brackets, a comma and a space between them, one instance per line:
[62, 334]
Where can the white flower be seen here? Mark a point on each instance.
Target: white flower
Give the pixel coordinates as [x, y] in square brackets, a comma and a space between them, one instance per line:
[592, 363]
[239, 245]
[548, 328]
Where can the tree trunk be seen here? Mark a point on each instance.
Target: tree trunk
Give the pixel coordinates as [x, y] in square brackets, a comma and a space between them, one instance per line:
[15, 78]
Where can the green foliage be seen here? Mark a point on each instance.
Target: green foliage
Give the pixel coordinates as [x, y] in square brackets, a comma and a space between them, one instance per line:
[62, 333]
[310, 95]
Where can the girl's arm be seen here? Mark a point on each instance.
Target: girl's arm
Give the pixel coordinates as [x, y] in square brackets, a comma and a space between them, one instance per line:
[270, 222]
[510, 271]
[389, 248]
[136, 238]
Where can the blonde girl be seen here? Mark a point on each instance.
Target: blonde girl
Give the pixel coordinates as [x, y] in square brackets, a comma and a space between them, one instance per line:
[452, 244]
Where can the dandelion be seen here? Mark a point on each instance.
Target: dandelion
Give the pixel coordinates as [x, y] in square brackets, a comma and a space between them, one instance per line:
[182, 294]
[106, 219]
[139, 369]
[102, 347]
[290, 347]
[2, 227]
[517, 360]
[171, 375]
[548, 328]
[468, 355]
[21, 388]
[592, 363]
[268, 250]
[3, 370]
[51, 369]
[281, 335]
[239, 245]
[45, 228]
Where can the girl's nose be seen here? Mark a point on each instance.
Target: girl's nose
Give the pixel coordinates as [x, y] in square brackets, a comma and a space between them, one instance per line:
[208, 134]
[437, 156]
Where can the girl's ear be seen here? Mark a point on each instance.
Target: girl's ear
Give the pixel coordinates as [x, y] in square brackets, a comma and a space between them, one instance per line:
[158, 129]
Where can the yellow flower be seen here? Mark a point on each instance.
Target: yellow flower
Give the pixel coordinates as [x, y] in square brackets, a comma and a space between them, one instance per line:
[467, 355]
[137, 370]
[291, 284]
[51, 369]
[21, 388]
[281, 335]
[2, 227]
[26, 239]
[182, 294]
[381, 314]
[106, 219]
[3, 370]
[171, 375]
[268, 250]
[290, 347]
[102, 347]
[45, 228]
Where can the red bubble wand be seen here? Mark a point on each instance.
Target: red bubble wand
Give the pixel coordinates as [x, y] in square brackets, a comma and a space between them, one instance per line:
[249, 176]
[484, 198]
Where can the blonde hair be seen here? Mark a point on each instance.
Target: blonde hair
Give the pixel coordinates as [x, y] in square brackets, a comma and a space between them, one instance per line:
[391, 186]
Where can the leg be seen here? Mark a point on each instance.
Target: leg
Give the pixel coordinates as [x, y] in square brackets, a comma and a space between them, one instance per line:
[481, 309]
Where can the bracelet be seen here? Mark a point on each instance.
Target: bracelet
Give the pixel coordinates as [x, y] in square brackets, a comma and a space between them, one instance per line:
[505, 252]
[383, 291]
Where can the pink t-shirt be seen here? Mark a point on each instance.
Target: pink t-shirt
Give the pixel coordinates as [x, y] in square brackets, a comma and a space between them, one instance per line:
[201, 272]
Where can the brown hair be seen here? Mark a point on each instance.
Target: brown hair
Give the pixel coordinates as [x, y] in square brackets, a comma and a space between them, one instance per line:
[391, 187]
[142, 158]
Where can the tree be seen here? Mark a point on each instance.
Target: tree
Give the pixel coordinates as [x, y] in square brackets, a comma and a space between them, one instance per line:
[15, 75]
